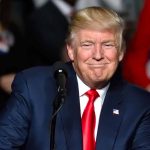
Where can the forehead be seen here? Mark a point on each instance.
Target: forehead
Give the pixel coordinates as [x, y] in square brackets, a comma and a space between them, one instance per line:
[95, 35]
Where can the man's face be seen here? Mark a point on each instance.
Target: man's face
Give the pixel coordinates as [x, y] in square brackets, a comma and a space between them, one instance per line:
[95, 57]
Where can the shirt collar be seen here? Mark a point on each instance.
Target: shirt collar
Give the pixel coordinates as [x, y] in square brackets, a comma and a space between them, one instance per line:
[84, 88]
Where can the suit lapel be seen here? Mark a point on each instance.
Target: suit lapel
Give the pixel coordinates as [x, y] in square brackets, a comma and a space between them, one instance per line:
[110, 119]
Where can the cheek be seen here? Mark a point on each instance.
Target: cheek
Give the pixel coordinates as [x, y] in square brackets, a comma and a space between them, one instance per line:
[81, 55]
[112, 55]
[84, 55]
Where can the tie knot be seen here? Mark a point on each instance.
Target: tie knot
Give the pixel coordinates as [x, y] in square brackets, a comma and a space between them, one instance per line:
[92, 94]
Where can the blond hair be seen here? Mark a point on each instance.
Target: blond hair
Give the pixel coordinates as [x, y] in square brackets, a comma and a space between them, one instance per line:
[97, 18]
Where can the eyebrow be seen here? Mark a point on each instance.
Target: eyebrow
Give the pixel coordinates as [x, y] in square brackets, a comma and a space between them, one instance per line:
[91, 41]
[105, 41]
[108, 40]
[86, 41]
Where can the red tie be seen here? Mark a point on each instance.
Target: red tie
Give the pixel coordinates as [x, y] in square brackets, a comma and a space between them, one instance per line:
[88, 121]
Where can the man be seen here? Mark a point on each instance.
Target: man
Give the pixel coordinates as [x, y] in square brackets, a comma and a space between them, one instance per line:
[95, 47]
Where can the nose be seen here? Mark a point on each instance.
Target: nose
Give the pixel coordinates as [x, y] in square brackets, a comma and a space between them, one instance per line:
[98, 52]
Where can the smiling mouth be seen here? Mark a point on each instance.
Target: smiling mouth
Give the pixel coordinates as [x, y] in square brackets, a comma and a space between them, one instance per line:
[98, 65]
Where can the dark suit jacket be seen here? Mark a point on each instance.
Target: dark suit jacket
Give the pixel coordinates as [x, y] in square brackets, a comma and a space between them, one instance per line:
[46, 33]
[25, 123]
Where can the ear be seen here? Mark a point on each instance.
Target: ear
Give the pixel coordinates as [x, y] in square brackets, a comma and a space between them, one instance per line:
[70, 51]
[121, 55]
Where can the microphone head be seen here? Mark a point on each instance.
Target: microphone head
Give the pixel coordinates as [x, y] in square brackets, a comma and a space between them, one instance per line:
[59, 68]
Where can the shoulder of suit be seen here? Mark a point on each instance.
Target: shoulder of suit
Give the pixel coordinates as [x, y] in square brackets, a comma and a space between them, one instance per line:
[38, 71]
[136, 93]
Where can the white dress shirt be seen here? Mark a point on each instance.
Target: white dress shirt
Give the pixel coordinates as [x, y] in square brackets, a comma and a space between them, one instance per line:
[97, 103]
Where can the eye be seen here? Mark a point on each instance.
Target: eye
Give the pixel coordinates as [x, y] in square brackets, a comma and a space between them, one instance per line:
[87, 45]
[108, 45]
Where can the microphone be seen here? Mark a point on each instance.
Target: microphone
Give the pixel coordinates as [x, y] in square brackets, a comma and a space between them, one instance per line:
[60, 75]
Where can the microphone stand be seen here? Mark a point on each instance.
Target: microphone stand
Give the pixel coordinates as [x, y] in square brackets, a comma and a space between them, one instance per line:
[57, 105]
